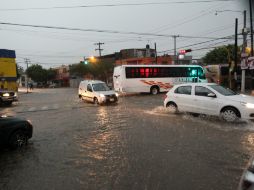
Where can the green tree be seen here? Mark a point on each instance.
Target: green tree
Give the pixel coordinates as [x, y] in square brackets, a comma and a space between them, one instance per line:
[37, 73]
[219, 55]
[79, 69]
[20, 71]
[51, 74]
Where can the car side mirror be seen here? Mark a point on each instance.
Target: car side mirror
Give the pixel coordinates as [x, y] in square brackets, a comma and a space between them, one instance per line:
[212, 95]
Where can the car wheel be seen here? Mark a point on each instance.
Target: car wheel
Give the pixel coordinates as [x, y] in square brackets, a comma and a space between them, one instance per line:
[229, 114]
[172, 107]
[18, 139]
[154, 90]
[96, 101]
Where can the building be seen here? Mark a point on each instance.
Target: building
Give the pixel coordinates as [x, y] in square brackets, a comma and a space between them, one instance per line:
[62, 76]
[145, 56]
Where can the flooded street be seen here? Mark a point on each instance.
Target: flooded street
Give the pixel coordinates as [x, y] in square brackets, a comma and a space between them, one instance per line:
[135, 144]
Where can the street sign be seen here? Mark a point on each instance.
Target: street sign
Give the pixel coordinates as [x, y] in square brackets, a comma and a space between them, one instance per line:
[251, 63]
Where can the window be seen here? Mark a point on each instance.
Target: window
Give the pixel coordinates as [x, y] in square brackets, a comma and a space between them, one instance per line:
[89, 88]
[202, 91]
[183, 90]
[222, 90]
[163, 72]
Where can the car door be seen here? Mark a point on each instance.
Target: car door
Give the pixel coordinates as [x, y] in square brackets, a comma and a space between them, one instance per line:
[183, 98]
[203, 103]
[89, 93]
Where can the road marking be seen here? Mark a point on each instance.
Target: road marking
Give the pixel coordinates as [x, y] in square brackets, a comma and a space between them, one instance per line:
[31, 109]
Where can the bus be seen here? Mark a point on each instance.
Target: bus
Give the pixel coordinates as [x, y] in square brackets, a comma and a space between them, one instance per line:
[154, 78]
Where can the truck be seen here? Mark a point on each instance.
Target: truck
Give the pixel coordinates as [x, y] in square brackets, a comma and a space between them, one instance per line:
[8, 77]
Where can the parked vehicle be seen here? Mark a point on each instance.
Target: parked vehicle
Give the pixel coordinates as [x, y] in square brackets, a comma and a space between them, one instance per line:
[210, 99]
[14, 132]
[155, 78]
[97, 92]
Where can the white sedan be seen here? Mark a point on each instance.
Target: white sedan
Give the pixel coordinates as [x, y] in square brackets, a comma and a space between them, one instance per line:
[210, 99]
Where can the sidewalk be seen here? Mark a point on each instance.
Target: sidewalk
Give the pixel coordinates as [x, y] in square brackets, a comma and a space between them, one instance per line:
[23, 90]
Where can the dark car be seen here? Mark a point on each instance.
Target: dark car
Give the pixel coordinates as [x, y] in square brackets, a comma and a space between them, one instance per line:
[14, 132]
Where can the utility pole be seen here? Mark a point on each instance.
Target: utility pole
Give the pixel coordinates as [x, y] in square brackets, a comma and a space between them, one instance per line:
[99, 49]
[251, 28]
[236, 48]
[243, 56]
[27, 61]
[175, 36]
[155, 47]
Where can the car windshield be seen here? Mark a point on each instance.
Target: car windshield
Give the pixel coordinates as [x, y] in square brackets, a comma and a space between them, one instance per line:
[222, 90]
[100, 87]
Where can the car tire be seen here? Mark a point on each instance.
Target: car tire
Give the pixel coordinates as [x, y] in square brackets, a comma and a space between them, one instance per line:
[154, 90]
[172, 107]
[229, 114]
[18, 139]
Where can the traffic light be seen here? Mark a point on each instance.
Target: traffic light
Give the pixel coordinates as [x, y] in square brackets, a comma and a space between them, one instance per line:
[183, 51]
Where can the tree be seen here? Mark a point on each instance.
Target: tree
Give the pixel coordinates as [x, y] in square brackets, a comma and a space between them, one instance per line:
[20, 71]
[222, 54]
[79, 69]
[51, 74]
[37, 73]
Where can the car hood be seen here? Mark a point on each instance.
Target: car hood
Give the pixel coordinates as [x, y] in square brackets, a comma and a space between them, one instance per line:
[110, 92]
[241, 98]
[11, 119]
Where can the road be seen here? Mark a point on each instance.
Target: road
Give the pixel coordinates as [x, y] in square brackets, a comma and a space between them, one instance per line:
[135, 144]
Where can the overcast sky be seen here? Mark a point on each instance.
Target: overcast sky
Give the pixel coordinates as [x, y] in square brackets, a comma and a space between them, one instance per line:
[52, 47]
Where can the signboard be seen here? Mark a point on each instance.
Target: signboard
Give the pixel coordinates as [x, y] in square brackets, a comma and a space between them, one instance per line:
[251, 63]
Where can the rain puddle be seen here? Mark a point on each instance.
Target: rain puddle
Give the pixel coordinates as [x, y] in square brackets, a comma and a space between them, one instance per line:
[162, 111]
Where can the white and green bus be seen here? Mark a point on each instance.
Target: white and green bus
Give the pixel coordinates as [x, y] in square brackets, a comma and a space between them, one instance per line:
[154, 78]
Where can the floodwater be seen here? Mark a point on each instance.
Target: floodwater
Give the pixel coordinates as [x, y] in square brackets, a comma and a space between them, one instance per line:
[136, 144]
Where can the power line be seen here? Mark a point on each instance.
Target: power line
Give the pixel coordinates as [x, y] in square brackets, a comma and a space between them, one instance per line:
[116, 5]
[105, 31]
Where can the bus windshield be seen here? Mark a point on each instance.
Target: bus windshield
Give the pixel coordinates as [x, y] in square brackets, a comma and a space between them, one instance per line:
[100, 87]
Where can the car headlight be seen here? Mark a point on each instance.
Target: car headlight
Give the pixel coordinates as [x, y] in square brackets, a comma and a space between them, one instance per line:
[102, 95]
[6, 94]
[248, 105]
[116, 94]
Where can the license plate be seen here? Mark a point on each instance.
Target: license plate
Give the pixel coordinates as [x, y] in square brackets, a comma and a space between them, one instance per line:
[111, 99]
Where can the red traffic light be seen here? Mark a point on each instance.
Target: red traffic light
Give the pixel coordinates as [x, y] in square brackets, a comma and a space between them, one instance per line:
[182, 51]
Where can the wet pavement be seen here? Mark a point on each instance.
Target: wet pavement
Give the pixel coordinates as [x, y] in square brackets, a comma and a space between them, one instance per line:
[135, 144]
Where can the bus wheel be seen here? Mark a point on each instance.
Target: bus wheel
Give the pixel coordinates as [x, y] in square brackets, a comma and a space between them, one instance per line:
[154, 90]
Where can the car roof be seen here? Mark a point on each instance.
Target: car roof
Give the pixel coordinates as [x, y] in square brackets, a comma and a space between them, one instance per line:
[195, 84]
[92, 81]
